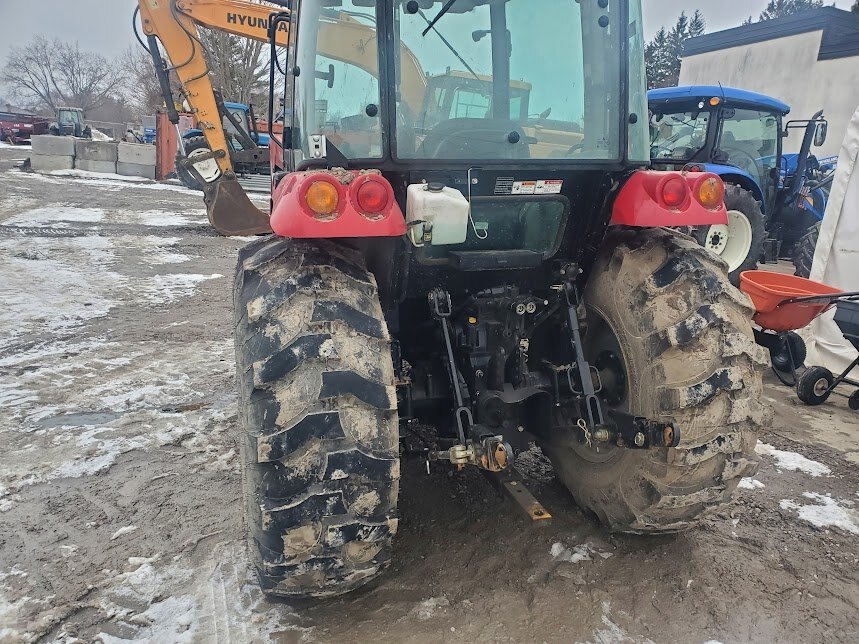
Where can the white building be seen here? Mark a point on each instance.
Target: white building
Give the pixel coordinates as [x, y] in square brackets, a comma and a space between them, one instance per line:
[809, 60]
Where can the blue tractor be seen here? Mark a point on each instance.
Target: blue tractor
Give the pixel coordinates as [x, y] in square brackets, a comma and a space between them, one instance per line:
[248, 147]
[773, 199]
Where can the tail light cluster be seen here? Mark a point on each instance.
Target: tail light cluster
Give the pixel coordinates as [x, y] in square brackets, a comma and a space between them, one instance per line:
[322, 204]
[325, 198]
[676, 190]
[652, 198]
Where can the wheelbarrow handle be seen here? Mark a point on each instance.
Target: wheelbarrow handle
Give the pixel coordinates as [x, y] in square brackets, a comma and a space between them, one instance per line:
[832, 297]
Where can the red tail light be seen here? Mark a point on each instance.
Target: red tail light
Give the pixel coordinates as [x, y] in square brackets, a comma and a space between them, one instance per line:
[372, 196]
[674, 192]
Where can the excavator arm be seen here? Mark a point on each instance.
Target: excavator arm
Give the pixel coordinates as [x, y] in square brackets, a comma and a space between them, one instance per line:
[174, 24]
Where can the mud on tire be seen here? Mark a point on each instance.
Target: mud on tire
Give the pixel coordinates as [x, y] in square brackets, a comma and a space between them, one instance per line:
[685, 335]
[317, 402]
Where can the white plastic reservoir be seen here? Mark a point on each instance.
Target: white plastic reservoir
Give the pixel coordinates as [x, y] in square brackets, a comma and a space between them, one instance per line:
[441, 211]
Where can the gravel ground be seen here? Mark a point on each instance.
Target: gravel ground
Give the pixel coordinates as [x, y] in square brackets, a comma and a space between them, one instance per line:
[119, 483]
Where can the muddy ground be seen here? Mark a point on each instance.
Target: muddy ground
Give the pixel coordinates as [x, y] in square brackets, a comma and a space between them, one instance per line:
[119, 484]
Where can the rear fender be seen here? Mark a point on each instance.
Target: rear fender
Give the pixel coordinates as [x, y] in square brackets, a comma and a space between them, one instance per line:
[738, 177]
[291, 217]
[640, 203]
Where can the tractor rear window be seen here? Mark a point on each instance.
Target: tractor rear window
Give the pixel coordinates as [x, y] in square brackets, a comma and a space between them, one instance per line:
[508, 80]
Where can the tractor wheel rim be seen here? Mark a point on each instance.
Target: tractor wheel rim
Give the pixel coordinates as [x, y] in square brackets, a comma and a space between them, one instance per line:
[737, 241]
[717, 238]
[208, 169]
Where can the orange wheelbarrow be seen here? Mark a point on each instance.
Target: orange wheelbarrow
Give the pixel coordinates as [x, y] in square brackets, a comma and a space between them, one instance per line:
[784, 303]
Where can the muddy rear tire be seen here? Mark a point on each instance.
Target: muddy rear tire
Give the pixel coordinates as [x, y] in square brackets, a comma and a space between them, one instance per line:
[317, 402]
[665, 305]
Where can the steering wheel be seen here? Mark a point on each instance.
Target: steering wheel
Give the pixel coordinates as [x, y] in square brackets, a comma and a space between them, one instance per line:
[753, 167]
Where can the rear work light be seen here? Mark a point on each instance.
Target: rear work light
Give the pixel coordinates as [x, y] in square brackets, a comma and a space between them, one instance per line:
[674, 192]
[711, 192]
[323, 199]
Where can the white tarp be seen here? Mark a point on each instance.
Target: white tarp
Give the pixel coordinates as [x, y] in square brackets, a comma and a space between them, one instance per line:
[836, 259]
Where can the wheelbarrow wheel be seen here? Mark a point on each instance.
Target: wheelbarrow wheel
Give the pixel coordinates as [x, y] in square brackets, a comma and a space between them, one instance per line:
[854, 401]
[813, 386]
[791, 355]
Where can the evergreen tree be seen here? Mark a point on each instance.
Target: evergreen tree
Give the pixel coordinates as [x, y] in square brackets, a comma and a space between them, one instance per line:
[855, 8]
[781, 8]
[663, 54]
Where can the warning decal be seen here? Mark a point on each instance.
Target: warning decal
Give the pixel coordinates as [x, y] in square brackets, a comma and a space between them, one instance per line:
[507, 186]
[549, 187]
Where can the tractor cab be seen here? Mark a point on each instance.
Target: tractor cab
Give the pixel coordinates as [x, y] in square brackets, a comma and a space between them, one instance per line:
[70, 122]
[515, 113]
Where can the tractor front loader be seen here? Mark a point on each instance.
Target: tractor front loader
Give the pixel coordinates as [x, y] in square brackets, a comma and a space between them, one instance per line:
[482, 264]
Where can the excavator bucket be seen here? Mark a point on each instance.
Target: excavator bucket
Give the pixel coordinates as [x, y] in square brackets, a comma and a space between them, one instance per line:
[231, 212]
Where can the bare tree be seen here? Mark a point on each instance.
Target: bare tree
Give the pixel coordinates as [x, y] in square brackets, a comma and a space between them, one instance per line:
[238, 66]
[50, 73]
[142, 87]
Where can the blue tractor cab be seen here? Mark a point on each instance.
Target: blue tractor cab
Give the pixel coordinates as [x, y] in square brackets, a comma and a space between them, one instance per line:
[739, 135]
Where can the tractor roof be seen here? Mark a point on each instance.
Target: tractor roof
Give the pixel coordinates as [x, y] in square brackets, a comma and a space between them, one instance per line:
[731, 95]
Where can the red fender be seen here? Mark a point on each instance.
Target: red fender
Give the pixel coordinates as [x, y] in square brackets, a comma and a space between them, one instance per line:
[642, 200]
[291, 216]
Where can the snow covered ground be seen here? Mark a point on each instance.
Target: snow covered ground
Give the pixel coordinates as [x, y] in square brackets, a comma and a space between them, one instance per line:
[120, 508]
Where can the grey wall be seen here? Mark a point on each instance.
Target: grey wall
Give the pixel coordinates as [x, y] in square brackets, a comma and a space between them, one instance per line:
[787, 69]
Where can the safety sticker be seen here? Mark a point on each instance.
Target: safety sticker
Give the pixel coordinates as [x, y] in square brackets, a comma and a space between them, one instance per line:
[524, 187]
[507, 186]
[549, 187]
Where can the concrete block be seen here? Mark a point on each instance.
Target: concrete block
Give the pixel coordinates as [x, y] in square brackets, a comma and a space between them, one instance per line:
[48, 145]
[107, 167]
[135, 170]
[136, 153]
[95, 150]
[51, 162]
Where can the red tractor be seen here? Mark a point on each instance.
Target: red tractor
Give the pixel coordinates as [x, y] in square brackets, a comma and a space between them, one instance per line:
[488, 279]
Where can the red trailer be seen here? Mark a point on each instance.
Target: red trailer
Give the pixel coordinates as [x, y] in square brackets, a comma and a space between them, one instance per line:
[18, 128]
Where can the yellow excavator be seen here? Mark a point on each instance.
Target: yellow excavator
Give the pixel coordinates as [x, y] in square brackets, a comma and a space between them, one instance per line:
[174, 25]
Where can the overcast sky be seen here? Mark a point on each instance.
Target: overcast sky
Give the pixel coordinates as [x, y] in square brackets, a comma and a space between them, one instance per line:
[105, 25]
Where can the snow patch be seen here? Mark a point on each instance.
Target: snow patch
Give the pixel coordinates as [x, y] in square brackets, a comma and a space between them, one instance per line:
[793, 461]
[427, 608]
[750, 484]
[163, 218]
[49, 216]
[826, 512]
[163, 289]
[579, 553]
[123, 531]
